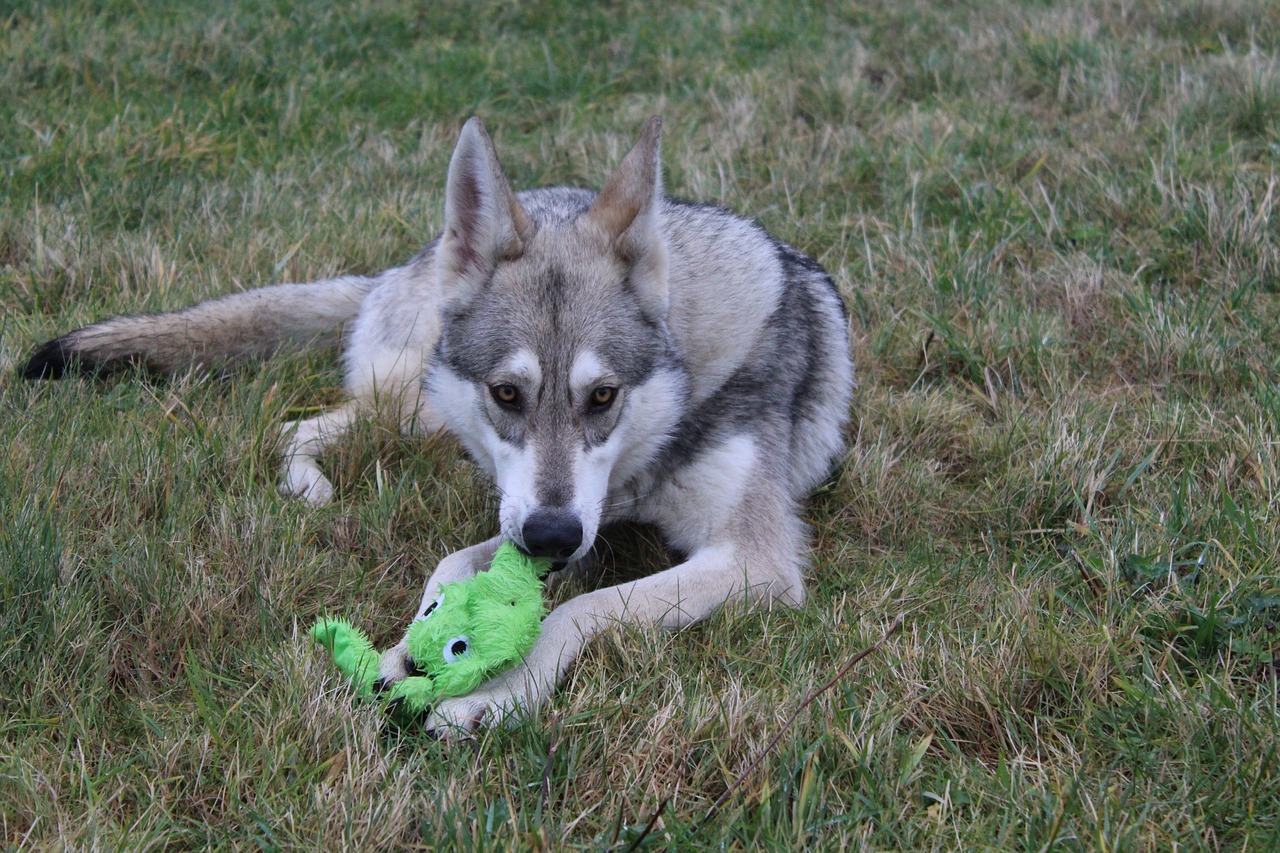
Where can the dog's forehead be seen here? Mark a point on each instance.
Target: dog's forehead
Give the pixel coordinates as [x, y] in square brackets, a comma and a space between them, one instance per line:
[566, 261]
[561, 288]
[551, 318]
[565, 295]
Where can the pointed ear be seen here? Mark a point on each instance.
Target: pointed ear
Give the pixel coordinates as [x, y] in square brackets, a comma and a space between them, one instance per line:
[483, 221]
[628, 213]
[627, 205]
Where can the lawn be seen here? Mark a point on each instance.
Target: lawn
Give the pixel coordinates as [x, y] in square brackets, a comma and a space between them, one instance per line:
[1055, 226]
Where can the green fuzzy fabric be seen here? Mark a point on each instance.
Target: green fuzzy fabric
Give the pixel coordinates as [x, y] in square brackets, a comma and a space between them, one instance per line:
[476, 629]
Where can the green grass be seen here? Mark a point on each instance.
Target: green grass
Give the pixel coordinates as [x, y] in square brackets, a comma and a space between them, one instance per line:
[1055, 226]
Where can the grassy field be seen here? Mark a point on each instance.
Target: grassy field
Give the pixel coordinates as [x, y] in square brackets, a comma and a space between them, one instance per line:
[1056, 228]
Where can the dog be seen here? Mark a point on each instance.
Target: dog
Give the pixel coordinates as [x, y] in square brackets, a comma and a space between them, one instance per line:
[619, 355]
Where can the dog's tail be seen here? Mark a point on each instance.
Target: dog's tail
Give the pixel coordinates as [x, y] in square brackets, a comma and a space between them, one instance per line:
[217, 334]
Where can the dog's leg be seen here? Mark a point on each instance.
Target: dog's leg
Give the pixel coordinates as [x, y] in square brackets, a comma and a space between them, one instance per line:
[302, 444]
[385, 380]
[674, 598]
[385, 356]
[756, 560]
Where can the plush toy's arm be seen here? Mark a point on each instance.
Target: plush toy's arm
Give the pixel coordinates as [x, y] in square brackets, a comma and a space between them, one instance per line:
[411, 696]
[352, 652]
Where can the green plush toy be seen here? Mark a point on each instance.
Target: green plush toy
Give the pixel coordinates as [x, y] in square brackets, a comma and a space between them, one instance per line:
[474, 629]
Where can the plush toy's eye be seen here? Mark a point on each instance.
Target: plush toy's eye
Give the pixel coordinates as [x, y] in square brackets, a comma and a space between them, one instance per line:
[431, 608]
[456, 648]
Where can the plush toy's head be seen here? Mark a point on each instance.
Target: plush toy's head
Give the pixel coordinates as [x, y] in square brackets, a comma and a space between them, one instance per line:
[473, 630]
[481, 626]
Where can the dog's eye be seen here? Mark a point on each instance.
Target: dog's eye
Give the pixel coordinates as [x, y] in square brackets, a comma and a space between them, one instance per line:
[456, 649]
[506, 395]
[603, 397]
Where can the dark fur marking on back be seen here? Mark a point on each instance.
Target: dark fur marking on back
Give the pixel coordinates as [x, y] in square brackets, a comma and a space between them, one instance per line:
[791, 347]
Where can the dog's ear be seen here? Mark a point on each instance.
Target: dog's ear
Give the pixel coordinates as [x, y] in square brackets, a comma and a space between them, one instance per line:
[627, 212]
[483, 221]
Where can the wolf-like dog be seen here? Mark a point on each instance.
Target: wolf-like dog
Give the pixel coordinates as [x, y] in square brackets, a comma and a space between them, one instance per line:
[602, 356]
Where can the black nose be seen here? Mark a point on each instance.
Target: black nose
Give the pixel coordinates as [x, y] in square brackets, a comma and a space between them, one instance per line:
[552, 533]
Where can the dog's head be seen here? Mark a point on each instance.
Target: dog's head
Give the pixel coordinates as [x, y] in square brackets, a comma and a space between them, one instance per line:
[555, 366]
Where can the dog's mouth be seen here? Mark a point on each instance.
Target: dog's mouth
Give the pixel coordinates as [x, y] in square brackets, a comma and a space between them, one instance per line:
[556, 565]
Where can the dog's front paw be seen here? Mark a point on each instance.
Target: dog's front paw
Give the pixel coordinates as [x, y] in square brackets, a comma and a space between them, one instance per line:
[501, 701]
[461, 716]
[307, 482]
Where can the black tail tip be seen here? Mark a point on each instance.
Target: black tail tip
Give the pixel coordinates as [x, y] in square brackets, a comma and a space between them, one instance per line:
[51, 360]
[56, 359]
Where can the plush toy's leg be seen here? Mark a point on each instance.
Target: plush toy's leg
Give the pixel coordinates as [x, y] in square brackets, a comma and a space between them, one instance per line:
[411, 698]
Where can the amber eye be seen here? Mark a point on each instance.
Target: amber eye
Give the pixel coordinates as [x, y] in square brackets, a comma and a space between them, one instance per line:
[506, 395]
[602, 398]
